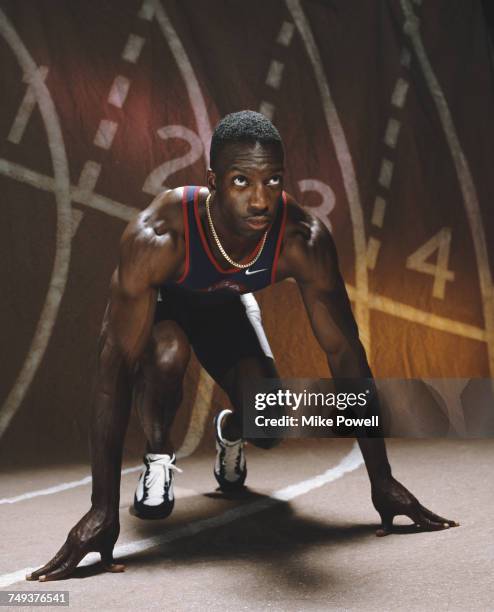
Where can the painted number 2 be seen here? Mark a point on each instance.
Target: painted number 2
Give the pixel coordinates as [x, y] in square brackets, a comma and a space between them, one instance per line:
[155, 182]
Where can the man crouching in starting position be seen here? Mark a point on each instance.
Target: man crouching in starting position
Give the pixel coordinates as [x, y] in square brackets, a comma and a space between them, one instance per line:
[188, 265]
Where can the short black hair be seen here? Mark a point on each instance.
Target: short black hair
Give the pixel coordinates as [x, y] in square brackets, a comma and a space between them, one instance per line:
[244, 126]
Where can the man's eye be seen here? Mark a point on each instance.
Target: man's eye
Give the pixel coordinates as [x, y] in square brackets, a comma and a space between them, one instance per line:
[240, 181]
[274, 181]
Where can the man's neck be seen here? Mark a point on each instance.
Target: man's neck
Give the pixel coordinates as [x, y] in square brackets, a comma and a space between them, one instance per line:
[236, 246]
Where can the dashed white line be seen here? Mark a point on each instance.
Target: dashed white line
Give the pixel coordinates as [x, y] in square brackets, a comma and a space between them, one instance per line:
[405, 57]
[105, 133]
[392, 133]
[119, 90]
[378, 211]
[267, 109]
[285, 34]
[133, 48]
[348, 464]
[399, 95]
[275, 74]
[373, 247]
[386, 173]
[147, 11]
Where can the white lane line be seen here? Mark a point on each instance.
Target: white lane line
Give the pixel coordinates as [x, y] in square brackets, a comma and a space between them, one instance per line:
[349, 463]
[133, 48]
[285, 34]
[105, 133]
[192, 439]
[275, 74]
[25, 109]
[64, 486]
[119, 90]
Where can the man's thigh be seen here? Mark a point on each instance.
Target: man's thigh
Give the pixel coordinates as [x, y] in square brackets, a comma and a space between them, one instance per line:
[230, 342]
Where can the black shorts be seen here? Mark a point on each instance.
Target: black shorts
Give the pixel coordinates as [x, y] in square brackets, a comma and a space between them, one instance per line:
[221, 334]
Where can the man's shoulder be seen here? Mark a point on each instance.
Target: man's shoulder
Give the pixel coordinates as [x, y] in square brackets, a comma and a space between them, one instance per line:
[163, 216]
[305, 229]
[307, 243]
[154, 239]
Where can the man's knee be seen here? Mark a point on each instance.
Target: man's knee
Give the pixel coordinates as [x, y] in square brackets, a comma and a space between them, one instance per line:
[167, 355]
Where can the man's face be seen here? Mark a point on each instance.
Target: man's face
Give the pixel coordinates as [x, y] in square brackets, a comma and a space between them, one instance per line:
[248, 182]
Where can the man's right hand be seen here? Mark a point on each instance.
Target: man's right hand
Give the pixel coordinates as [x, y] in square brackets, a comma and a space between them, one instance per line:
[97, 531]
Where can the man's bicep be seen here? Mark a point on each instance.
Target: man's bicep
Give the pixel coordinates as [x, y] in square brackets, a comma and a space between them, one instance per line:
[130, 318]
[132, 292]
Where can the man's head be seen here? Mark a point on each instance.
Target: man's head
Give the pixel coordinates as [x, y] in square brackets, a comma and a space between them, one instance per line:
[247, 127]
[246, 170]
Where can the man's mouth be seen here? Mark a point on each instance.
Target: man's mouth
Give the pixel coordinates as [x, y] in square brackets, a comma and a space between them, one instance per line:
[258, 223]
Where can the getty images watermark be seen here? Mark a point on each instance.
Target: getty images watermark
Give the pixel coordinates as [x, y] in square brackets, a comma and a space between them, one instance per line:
[312, 400]
[308, 408]
[413, 408]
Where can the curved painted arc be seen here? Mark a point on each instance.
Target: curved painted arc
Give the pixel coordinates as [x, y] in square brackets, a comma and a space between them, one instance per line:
[191, 83]
[464, 174]
[61, 262]
[346, 166]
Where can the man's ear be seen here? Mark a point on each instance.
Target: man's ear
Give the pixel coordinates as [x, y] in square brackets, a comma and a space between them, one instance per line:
[211, 179]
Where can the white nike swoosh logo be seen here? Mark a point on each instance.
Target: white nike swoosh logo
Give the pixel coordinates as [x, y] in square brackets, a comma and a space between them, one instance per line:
[248, 272]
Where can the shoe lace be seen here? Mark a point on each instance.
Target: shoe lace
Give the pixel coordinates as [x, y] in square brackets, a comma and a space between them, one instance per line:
[153, 476]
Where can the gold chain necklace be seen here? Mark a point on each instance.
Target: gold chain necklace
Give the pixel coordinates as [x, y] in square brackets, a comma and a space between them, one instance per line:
[220, 246]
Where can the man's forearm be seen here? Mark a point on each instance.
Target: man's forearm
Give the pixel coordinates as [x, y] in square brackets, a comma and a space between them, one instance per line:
[354, 365]
[109, 420]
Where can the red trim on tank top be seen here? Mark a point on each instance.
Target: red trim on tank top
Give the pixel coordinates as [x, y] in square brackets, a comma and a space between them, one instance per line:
[186, 237]
[206, 245]
[280, 238]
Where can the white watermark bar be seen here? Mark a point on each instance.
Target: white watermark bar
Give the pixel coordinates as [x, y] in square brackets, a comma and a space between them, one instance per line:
[366, 407]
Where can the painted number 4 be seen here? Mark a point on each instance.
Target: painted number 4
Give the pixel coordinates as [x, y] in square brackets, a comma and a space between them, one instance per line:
[440, 242]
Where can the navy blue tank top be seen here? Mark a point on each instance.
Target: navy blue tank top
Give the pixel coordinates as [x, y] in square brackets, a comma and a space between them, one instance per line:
[203, 275]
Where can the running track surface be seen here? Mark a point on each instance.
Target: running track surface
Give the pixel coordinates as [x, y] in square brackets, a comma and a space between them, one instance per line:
[310, 546]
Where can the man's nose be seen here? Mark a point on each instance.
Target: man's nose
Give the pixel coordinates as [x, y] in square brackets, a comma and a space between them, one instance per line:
[259, 202]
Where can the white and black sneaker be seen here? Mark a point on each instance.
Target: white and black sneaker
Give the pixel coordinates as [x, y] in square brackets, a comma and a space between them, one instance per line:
[230, 468]
[154, 498]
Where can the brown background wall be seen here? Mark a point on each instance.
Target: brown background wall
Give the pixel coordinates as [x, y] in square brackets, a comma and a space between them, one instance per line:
[389, 132]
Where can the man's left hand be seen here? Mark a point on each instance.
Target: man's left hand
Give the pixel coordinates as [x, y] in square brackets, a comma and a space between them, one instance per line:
[390, 498]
